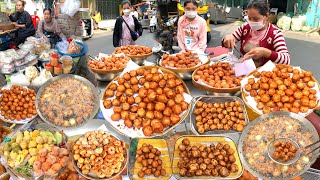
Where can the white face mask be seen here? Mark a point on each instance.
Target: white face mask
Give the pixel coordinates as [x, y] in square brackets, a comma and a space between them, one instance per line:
[191, 14]
[256, 25]
[126, 12]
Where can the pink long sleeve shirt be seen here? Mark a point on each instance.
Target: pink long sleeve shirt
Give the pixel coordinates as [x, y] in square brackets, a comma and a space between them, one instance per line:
[192, 35]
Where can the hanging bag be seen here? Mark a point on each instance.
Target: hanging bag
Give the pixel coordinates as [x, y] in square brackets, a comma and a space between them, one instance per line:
[134, 34]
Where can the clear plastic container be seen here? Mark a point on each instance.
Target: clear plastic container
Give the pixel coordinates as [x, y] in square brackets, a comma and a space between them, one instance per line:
[7, 68]
[66, 69]
[66, 60]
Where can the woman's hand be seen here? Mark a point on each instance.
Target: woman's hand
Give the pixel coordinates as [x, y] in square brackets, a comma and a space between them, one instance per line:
[257, 53]
[8, 14]
[229, 41]
[16, 24]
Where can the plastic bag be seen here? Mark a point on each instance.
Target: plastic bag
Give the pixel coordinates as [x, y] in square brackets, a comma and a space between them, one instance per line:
[62, 46]
[40, 80]
[19, 79]
[74, 48]
[31, 72]
[70, 7]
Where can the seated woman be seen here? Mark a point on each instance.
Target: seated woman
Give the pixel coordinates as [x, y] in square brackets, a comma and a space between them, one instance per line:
[192, 29]
[49, 28]
[259, 39]
[22, 20]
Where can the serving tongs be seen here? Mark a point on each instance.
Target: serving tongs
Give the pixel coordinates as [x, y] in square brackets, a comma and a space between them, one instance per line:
[303, 153]
[93, 58]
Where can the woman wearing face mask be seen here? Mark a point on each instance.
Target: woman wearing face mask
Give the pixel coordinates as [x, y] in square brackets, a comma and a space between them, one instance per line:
[49, 28]
[259, 39]
[124, 26]
[22, 20]
[192, 29]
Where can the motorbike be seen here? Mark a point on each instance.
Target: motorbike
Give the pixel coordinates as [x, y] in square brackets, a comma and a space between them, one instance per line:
[153, 23]
[168, 33]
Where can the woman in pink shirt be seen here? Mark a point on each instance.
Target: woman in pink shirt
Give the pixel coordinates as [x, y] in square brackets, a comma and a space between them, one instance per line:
[259, 39]
[192, 29]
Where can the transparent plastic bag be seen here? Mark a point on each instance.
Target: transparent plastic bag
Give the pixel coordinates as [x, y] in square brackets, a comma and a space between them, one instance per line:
[19, 79]
[62, 46]
[70, 7]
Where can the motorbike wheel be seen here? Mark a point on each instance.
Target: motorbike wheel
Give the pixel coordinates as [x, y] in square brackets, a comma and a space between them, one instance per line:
[152, 29]
[208, 37]
[166, 40]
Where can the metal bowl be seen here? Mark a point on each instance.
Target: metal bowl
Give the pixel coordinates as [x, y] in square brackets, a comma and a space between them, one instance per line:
[124, 165]
[139, 61]
[216, 91]
[106, 76]
[79, 78]
[183, 73]
[213, 99]
[304, 122]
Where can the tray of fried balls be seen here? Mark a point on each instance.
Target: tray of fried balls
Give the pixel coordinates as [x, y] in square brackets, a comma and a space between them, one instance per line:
[218, 115]
[99, 155]
[104, 64]
[217, 77]
[149, 159]
[145, 101]
[206, 157]
[134, 51]
[17, 104]
[280, 88]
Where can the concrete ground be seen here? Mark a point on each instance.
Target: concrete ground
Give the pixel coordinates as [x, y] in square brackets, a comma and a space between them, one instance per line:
[304, 50]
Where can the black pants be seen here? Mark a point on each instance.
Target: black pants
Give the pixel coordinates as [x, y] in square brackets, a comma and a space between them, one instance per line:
[22, 36]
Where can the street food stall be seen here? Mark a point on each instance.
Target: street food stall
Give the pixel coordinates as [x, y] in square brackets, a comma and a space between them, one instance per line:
[180, 116]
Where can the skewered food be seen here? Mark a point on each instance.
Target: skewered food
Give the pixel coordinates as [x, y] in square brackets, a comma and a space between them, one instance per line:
[153, 106]
[219, 116]
[133, 50]
[149, 158]
[202, 160]
[67, 102]
[17, 103]
[181, 60]
[113, 62]
[258, 138]
[218, 75]
[283, 89]
[99, 154]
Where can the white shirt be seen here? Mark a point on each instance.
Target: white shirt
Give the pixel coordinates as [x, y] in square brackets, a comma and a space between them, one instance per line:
[135, 14]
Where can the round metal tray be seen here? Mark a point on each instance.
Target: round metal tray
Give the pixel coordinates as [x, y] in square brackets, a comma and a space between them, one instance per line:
[117, 129]
[261, 118]
[79, 78]
[125, 163]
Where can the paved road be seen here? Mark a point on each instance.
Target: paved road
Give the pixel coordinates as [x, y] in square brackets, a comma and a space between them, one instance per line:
[304, 51]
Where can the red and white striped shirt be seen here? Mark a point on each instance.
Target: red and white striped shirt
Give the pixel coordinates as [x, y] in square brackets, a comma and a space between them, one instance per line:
[272, 40]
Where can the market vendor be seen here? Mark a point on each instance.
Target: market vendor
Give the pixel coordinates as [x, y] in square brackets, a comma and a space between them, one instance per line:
[192, 29]
[23, 22]
[259, 39]
[49, 28]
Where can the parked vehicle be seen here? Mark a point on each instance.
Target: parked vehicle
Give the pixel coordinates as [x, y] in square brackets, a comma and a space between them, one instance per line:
[168, 33]
[87, 23]
[153, 23]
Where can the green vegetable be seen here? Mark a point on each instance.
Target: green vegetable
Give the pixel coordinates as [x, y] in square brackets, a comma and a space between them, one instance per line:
[58, 137]
[26, 169]
[8, 79]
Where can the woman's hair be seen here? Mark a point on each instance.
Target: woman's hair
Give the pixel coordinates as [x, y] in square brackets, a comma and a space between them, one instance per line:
[261, 5]
[126, 2]
[192, 1]
[23, 2]
[47, 9]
